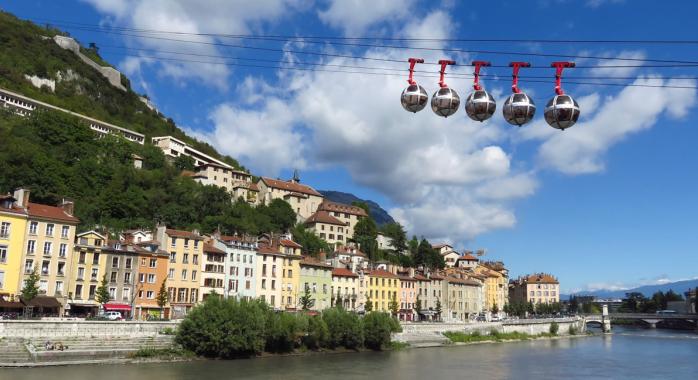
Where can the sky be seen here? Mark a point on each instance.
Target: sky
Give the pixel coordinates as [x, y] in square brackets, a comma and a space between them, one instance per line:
[608, 203]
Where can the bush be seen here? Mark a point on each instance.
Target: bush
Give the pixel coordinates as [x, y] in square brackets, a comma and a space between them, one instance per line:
[572, 330]
[283, 332]
[317, 333]
[344, 328]
[378, 328]
[224, 328]
[554, 328]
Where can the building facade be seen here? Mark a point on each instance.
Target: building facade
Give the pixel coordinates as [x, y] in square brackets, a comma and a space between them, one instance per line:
[535, 288]
[409, 289]
[183, 273]
[212, 272]
[121, 270]
[316, 277]
[348, 214]
[13, 227]
[383, 288]
[88, 270]
[351, 288]
[330, 229]
[241, 266]
[152, 273]
[304, 200]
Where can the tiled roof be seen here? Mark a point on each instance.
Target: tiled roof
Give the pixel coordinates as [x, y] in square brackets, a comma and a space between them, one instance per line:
[183, 234]
[381, 273]
[350, 251]
[419, 277]
[296, 194]
[13, 209]
[341, 207]
[541, 278]
[290, 186]
[50, 212]
[343, 272]
[406, 278]
[463, 281]
[268, 249]
[211, 249]
[439, 246]
[468, 256]
[289, 243]
[313, 262]
[324, 217]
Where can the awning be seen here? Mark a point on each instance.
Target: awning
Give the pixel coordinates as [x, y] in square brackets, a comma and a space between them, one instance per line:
[117, 307]
[43, 302]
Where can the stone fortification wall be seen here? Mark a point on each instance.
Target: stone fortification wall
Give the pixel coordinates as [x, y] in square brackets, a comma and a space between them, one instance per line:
[113, 75]
[32, 329]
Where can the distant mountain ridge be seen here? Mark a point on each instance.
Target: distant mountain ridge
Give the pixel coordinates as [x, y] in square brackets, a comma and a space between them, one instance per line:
[377, 212]
[678, 287]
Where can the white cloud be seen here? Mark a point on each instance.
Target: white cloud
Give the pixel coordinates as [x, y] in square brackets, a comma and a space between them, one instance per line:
[581, 148]
[355, 16]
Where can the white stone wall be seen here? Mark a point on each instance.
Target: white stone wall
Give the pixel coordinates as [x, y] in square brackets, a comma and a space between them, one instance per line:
[75, 328]
[112, 74]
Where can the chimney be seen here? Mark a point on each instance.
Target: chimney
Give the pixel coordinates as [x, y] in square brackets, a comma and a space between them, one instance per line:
[323, 256]
[22, 197]
[68, 206]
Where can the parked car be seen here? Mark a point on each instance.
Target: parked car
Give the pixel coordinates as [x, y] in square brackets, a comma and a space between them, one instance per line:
[112, 316]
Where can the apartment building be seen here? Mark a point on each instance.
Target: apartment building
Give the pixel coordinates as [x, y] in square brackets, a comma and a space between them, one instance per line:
[349, 257]
[334, 231]
[430, 293]
[152, 272]
[185, 250]
[496, 287]
[346, 213]
[121, 270]
[304, 200]
[212, 272]
[351, 287]
[466, 261]
[241, 266]
[407, 297]
[290, 273]
[536, 288]
[316, 277]
[13, 226]
[89, 264]
[463, 298]
[383, 287]
[173, 148]
[268, 286]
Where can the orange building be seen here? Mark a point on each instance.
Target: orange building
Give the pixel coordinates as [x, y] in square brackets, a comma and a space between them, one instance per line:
[151, 273]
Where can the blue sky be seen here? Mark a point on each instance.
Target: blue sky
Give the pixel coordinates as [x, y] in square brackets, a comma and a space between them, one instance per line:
[607, 203]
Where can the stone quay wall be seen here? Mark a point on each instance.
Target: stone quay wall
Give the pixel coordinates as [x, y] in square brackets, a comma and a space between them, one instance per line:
[80, 328]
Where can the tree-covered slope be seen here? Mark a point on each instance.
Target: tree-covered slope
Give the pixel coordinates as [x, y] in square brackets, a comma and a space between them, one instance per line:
[377, 212]
[28, 49]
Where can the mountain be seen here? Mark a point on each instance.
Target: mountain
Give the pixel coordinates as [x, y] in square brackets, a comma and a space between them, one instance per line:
[377, 212]
[647, 290]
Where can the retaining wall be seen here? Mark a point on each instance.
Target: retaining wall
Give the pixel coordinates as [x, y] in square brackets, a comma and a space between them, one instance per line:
[32, 329]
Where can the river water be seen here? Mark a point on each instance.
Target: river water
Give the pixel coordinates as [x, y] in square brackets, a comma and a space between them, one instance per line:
[627, 354]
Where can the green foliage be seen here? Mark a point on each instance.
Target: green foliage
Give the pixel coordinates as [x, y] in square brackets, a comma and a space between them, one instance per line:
[554, 328]
[397, 233]
[428, 256]
[317, 333]
[493, 336]
[283, 332]
[306, 300]
[184, 163]
[378, 328]
[31, 287]
[365, 233]
[225, 328]
[438, 308]
[368, 307]
[102, 293]
[312, 244]
[161, 353]
[418, 306]
[393, 306]
[163, 297]
[572, 330]
[344, 328]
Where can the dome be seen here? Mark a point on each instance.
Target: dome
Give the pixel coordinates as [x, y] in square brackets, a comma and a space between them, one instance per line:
[519, 109]
[414, 98]
[480, 105]
[561, 112]
[445, 102]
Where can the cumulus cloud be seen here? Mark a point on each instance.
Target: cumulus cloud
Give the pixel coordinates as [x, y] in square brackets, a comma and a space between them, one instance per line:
[355, 16]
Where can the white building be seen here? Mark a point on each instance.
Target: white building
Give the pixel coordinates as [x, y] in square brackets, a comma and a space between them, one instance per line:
[241, 266]
[173, 148]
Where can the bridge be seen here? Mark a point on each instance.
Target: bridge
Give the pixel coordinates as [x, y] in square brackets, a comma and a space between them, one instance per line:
[650, 319]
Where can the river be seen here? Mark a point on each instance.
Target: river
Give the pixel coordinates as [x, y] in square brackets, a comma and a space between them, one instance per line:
[627, 354]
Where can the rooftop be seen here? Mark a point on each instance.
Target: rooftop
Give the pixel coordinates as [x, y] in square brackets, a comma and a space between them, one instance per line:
[50, 212]
[290, 186]
[324, 217]
[343, 272]
[327, 205]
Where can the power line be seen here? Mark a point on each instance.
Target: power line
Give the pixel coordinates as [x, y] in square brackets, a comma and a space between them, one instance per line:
[139, 33]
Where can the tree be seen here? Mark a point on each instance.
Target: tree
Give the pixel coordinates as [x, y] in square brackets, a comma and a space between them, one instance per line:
[184, 163]
[394, 307]
[281, 215]
[378, 328]
[102, 293]
[31, 288]
[438, 308]
[338, 301]
[495, 309]
[368, 307]
[418, 307]
[365, 233]
[312, 244]
[307, 301]
[163, 297]
[396, 232]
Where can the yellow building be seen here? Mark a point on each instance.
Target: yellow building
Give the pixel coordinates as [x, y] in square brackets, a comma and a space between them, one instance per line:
[304, 200]
[383, 287]
[290, 273]
[496, 287]
[13, 223]
[88, 269]
[185, 249]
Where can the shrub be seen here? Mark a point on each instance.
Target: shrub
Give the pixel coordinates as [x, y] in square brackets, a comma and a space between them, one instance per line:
[317, 333]
[554, 328]
[378, 328]
[224, 328]
[282, 332]
[344, 328]
[572, 330]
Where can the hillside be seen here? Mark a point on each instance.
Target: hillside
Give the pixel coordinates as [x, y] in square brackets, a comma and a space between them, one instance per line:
[647, 290]
[27, 49]
[377, 212]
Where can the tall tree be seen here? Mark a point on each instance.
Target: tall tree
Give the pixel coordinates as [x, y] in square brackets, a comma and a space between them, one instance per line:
[163, 297]
[365, 233]
[102, 293]
[307, 301]
[368, 307]
[31, 287]
[312, 244]
[396, 232]
[393, 306]
[418, 307]
[439, 308]
[281, 215]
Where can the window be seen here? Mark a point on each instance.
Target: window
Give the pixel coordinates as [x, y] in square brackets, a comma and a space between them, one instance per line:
[81, 260]
[112, 277]
[185, 258]
[126, 294]
[153, 262]
[127, 277]
[264, 283]
[5, 230]
[78, 291]
[196, 244]
[49, 229]
[31, 247]
[59, 287]
[151, 278]
[173, 257]
[112, 293]
[150, 294]
[186, 243]
[143, 261]
[3, 253]
[95, 274]
[93, 289]
[247, 284]
[170, 274]
[33, 226]
[81, 273]
[173, 242]
[61, 269]
[62, 250]
[65, 231]
[141, 277]
[193, 275]
[273, 284]
[114, 262]
[95, 258]
[195, 260]
[128, 263]
[48, 247]
[184, 274]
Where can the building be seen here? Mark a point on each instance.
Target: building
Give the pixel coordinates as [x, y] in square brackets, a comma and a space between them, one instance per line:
[346, 213]
[152, 271]
[463, 298]
[351, 287]
[495, 286]
[446, 251]
[212, 271]
[241, 263]
[268, 268]
[316, 277]
[49, 239]
[383, 287]
[466, 261]
[13, 227]
[136, 236]
[185, 249]
[384, 242]
[290, 273]
[327, 227]
[88, 269]
[173, 148]
[535, 288]
[349, 257]
[24, 106]
[237, 182]
[122, 273]
[408, 297]
[304, 200]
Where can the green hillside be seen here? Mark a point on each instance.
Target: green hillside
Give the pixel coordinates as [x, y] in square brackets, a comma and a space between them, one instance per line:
[26, 50]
